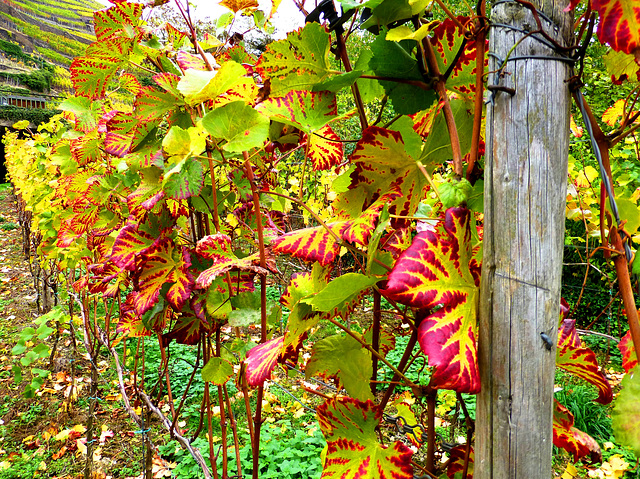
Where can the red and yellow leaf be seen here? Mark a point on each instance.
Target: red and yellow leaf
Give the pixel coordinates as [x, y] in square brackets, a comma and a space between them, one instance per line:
[360, 229]
[130, 244]
[572, 440]
[574, 357]
[629, 355]
[163, 263]
[353, 450]
[262, 359]
[618, 24]
[325, 149]
[313, 244]
[382, 164]
[116, 19]
[236, 5]
[130, 324]
[447, 40]
[456, 465]
[217, 247]
[435, 271]
[187, 329]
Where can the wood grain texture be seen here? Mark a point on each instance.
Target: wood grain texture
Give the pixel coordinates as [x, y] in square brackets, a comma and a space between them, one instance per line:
[527, 137]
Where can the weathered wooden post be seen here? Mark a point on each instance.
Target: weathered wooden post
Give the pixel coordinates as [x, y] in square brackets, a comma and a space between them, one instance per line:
[525, 189]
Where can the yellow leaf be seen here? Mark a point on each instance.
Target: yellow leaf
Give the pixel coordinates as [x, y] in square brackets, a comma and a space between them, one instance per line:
[405, 33]
[82, 448]
[570, 472]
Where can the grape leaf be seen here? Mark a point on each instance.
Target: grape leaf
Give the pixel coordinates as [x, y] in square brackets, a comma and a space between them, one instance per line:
[618, 24]
[342, 294]
[572, 440]
[325, 150]
[242, 126]
[119, 19]
[217, 371]
[447, 40]
[435, 271]
[262, 360]
[198, 86]
[164, 263]
[184, 180]
[312, 244]
[456, 466]
[297, 62]
[574, 357]
[629, 356]
[382, 165]
[625, 417]
[344, 358]
[129, 244]
[353, 450]
[217, 247]
[391, 60]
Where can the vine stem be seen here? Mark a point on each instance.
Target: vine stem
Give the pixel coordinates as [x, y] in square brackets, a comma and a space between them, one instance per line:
[375, 353]
[429, 57]
[481, 36]
[257, 421]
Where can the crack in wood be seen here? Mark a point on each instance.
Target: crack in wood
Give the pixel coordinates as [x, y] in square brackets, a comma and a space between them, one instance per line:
[505, 276]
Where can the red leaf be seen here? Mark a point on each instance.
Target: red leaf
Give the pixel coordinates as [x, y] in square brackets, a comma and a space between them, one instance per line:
[435, 271]
[312, 244]
[262, 359]
[572, 356]
[570, 439]
[629, 356]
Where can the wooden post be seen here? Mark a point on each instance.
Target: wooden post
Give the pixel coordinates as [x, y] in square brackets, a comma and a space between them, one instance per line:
[527, 135]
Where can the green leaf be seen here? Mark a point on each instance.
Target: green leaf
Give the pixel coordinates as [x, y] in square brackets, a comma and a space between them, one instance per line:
[389, 11]
[19, 348]
[184, 180]
[412, 141]
[454, 192]
[346, 359]
[340, 292]
[338, 82]
[199, 86]
[404, 32]
[626, 414]
[244, 317]
[217, 371]
[242, 126]
[629, 211]
[298, 62]
[391, 60]
[437, 147]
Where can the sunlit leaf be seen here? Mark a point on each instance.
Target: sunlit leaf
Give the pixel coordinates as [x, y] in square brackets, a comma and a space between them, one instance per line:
[435, 271]
[353, 449]
[117, 20]
[241, 125]
[344, 358]
[298, 62]
[574, 357]
[236, 5]
[198, 86]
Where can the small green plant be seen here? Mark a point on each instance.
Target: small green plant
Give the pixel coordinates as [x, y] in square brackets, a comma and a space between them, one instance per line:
[32, 347]
[589, 416]
[8, 226]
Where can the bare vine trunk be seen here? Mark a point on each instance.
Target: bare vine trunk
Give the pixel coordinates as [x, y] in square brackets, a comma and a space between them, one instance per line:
[527, 136]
